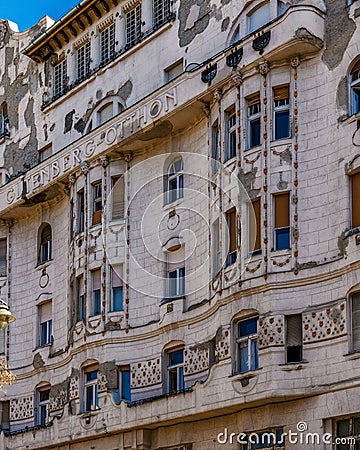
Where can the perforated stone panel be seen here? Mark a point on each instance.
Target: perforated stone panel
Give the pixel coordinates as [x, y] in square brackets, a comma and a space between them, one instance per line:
[21, 408]
[146, 373]
[324, 324]
[196, 359]
[271, 331]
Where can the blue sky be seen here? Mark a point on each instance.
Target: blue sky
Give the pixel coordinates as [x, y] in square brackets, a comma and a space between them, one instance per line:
[27, 14]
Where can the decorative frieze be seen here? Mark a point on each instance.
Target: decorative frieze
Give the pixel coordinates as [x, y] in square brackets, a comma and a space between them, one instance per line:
[146, 373]
[196, 359]
[327, 323]
[222, 343]
[271, 331]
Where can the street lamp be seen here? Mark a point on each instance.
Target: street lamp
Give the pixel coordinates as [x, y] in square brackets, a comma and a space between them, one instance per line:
[5, 315]
[6, 377]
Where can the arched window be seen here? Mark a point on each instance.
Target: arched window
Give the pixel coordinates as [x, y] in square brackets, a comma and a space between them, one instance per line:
[104, 112]
[354, 80]
[259, 17]
[175, 182]
[45, 241]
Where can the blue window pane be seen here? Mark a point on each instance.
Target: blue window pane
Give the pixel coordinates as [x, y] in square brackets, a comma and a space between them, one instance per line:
[244, 357]
[248, 327]
[255, 133]
[231, 150]
[97, 302]
[90, 376]
[176, 357]
[181, 379]
[117, 298]
[125, 385]
[282, 238]
[282, 124]
[254, 355]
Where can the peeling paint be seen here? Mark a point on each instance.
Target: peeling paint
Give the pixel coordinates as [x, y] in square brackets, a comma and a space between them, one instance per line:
[200, 23]
[248, 180]
[342, 94]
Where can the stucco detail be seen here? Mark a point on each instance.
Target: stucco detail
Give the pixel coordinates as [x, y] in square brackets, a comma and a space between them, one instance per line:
[194, 17]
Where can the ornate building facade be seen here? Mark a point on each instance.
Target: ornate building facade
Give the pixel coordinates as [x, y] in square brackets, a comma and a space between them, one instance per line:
[180, 225]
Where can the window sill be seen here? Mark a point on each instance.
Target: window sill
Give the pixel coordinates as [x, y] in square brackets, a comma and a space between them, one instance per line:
[89, 414]
[346, 120]
[288, 367]
[351, 232]
[171, 299]
[280, 141]
[352, 355]
[245, 375]
[282, 252]
[173, 205]
[42, 346]
[43, 265]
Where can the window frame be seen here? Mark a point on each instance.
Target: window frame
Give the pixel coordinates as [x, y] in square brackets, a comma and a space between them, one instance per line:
[178, 369]
[351, 435]
[60, 78]
[43, 413]
[353, 347]
[107, 44]
[300, 345]
[257, 229]
[95, 294]
[354, 88]
[92, 384]
[121, 289]
[278, 109]
[215, 148]
[161, 11]
[97, 202]
[123, 386]
[249, 338]
[253, 116]
[179, 283]
[174, 175]
[83, 61]
[250, 27]
[282, 230]
[231, 135]
[45, 246]
[45, 336]
[3, 257]
[232, 247]
[80, 299]
[133, 26]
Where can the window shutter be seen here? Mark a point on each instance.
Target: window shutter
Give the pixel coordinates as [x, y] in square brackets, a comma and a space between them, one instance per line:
[118, 196]
[355, 197]
[281, 92]
[355, 320]
[282, 210]
[253, 99]
[231, 223]
[255, 226]
[3, 265]
[116, 276]
[96, 279]
[45, 312]
[294, 330]
[356, 67]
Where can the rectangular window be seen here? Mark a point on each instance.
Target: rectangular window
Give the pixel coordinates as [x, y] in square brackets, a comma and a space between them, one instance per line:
[80, 307]
[175, 371]
[254, 120]
[174, 70]
[231, 135]
[175, 181]
[282, 221]
[81, 211]
[83, 61]
[216, 247]
[45, 323]
[97, 203]
[355, 200]
[91, 401]
[133, 26]
[215, 148]
[161, 12]
[3, 257]
[4, 121]
[60, 78]
[281, 112]
[116, 289]
[232, 236]
[294, 338]
[255, 227]
[355, 321]
[355, 88]
[176, 283]
[96, 292]
[259, 17]
[348, 430]
[43, 407]
[107, 44]
[124, 383]
[5, 415]
[246, 345]
[117, 198]
[45, 153]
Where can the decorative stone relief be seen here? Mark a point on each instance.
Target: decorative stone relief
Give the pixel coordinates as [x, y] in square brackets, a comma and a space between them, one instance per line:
[145, 373]
[196, 359]
[74, 388]
[222, 345]
[102, 382]
[21, 408]
[271, 331]
[57, 400]
[327, 323]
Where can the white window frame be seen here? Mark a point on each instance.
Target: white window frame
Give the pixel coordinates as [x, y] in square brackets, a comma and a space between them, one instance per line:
[175, 175]
[107, 44]
[97, 197]
[353, 439]
[121, 372]
[60, 78]
[161, 12]
[253, 115]
[230, 132]
[354, 86]
[239, 340]
[278, 107]
[83, 60]
[133, 26]
[176, 285]
[43, 405]
[47, 326]
[93, 385]
[264, 9]
[178, 368]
